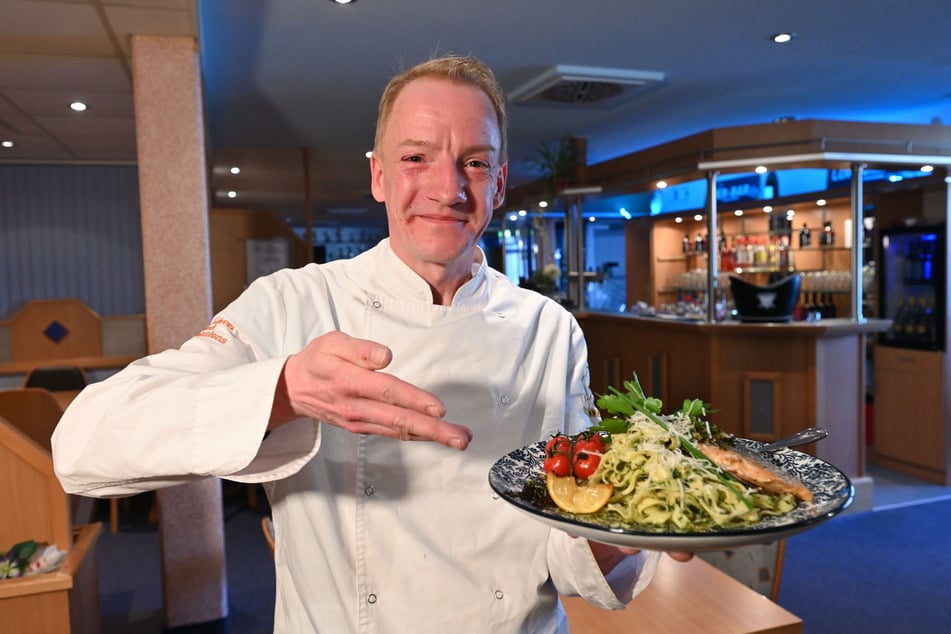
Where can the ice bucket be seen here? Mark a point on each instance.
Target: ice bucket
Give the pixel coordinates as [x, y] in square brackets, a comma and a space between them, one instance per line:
[771, 303]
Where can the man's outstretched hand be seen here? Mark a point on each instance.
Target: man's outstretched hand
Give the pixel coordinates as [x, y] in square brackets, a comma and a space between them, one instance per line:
[335, 379]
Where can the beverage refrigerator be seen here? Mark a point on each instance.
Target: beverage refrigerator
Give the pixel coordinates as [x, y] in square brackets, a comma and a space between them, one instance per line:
[911, 285]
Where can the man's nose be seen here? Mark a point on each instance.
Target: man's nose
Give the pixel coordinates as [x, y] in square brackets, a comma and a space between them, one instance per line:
[449, 183]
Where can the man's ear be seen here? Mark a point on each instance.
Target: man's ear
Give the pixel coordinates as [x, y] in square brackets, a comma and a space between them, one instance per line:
[376, 178]
[500, 180]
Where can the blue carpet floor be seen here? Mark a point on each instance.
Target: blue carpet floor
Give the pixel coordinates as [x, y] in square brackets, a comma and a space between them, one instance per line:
[130, 581]
[876, 572]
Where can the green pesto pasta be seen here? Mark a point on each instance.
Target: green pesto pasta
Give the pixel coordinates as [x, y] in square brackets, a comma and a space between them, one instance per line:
[656, 485]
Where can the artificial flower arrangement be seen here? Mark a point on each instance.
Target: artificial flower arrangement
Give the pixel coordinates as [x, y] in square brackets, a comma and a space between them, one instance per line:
[30, 558]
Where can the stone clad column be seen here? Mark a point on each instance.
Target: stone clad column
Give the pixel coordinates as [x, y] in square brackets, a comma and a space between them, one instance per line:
[174, 206]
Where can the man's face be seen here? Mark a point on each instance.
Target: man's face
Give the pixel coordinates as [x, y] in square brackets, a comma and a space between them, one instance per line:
[438, 172]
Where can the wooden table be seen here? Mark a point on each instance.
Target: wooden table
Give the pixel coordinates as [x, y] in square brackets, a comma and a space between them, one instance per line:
[686, 597]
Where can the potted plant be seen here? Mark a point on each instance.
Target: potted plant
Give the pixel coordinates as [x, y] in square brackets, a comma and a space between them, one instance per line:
[555, 163]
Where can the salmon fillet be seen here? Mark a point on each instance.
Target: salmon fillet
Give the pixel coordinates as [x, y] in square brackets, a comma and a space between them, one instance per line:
[754, 472]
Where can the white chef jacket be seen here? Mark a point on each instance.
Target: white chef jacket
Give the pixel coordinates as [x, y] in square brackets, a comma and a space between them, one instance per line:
[374, 535]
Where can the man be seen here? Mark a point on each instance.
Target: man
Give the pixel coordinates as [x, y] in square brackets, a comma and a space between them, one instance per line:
[313, 377]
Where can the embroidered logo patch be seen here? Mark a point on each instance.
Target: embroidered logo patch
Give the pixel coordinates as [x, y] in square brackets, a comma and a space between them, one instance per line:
[217, 330]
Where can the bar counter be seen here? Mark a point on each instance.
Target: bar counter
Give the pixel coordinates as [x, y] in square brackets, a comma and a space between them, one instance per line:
[763, 380]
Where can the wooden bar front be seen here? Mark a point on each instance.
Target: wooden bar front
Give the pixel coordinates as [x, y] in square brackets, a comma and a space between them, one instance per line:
[764, 380]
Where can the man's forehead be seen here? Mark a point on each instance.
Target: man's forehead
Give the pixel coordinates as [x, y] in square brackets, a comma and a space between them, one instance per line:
[415, 103]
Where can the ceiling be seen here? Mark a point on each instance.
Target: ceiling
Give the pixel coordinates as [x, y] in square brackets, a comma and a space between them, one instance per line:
[289, 83]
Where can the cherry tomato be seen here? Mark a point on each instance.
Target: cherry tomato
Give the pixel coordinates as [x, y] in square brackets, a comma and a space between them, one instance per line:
[586, 455]
[559, 443]
[559, 464]
[558, 455]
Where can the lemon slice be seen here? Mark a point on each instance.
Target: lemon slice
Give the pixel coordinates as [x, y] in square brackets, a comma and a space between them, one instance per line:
[569, 496]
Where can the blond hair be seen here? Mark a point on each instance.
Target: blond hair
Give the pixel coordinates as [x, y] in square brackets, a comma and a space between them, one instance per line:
[466, 70]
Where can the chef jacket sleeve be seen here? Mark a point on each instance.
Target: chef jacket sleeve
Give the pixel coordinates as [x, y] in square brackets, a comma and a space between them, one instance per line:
[575, 572]
[197, 411]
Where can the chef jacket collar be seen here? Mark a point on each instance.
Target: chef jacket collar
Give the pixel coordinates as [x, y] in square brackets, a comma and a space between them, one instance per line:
[408, 285]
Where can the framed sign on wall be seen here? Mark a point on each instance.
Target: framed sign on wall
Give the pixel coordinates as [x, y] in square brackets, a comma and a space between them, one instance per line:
[265, 256]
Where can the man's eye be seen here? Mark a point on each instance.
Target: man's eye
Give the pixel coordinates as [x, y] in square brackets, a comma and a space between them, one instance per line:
[478, 164]
[413, 159]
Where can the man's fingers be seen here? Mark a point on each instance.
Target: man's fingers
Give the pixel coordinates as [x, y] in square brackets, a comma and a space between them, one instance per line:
[362, 352]
[337, 379]
[366, 416]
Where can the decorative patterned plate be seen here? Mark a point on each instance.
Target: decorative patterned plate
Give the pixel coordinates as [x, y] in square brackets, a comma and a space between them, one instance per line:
[832, 493]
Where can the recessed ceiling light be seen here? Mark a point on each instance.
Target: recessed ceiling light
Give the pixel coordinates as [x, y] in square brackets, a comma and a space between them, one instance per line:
[235, 170]
[661, 184]
[343, 1]
[738, 212]
[927, 169]
[77, 106]
[768, 209]
[821, 202]
[7, 144]
[782, 38]
[232, 194]
[760, 169]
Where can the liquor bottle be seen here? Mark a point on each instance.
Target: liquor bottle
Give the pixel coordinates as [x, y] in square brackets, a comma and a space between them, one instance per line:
[686, 244]
[727, 255]
[783, 257]
[698, 244]
[898, 324]
[805, 237]
[828, 310]
[930, 335]
[914, 325]
[739, 261]
[828, 234]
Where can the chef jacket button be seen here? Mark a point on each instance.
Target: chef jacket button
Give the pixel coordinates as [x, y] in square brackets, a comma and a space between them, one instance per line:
[371, 598]
[498, 594]
[377, 304]
[369, 490]
[504, 400]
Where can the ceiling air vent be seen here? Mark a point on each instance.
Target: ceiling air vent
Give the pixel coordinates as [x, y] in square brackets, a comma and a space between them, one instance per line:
[584, 86]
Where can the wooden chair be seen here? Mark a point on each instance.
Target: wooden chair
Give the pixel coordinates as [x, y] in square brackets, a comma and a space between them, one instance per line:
[267, 527]
[36, 507]
[33, 410]
[36, 411]
[57, 378]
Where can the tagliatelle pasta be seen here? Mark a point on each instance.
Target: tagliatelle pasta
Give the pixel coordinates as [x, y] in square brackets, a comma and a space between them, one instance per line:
[658, 485]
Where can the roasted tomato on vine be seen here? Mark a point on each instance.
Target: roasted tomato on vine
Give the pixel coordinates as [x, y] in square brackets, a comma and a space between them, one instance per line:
[558, 455]
[586, 455]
